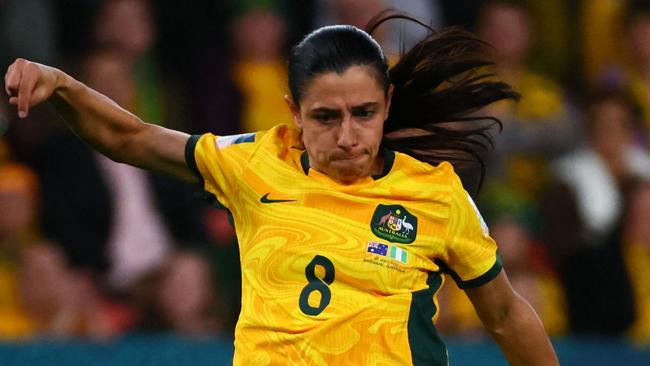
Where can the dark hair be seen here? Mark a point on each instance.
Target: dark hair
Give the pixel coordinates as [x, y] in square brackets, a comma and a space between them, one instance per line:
[334, 49]
[619, 96]
[438, 88]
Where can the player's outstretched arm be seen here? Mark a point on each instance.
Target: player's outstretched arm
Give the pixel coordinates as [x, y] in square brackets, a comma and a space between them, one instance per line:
[512, 322]
[98, 120]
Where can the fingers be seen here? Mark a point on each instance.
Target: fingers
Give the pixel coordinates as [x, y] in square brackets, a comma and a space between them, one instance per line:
[7, 76]
[28, 84]
[12, 78]
[21, 80]
[25, 90]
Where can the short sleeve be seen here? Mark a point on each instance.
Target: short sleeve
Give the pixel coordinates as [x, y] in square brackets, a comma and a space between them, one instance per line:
[471, 254]
[219, 161]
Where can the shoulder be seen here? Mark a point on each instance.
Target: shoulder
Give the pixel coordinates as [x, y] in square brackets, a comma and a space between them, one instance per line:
[244, 141]
[442, 173]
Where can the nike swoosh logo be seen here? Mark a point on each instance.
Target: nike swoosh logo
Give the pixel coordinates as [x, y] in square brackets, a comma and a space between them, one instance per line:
[265, 199]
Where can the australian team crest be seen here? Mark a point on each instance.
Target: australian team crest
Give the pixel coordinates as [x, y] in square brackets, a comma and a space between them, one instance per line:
[394, 223]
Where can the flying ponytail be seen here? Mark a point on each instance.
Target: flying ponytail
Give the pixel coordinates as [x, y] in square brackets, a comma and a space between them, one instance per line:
[440, 89]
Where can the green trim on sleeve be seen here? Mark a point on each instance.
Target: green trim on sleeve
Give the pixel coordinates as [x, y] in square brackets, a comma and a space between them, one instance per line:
[485, 277]
[481, 280]
[190, 160]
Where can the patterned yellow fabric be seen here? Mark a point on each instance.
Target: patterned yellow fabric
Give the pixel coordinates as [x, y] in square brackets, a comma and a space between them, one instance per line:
[341, 274]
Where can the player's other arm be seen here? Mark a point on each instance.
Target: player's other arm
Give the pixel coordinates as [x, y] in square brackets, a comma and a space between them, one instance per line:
[512, 322]
[96, 119]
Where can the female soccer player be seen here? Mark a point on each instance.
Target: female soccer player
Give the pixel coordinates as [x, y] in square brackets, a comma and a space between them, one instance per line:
[348, 220]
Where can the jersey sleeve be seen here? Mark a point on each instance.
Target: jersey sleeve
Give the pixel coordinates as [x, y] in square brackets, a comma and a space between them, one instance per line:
[471, 254]
[219, 161]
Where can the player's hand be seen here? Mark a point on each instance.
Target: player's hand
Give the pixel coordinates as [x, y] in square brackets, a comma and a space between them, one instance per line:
[30, 83]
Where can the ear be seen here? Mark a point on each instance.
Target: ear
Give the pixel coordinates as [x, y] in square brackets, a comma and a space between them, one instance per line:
[295, 111]
[389, 98]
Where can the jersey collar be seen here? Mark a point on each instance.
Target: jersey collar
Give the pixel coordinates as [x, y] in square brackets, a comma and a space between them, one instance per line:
[389, 160]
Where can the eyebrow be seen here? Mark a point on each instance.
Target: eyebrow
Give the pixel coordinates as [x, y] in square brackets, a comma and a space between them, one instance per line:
[324, 110]
[365, 105]
[336, 110]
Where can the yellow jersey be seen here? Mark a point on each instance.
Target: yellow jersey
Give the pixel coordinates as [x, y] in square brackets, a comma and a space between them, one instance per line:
[336, 274]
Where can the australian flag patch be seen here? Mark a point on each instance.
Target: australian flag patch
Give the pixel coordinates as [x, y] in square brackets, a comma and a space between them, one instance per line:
[377, 248]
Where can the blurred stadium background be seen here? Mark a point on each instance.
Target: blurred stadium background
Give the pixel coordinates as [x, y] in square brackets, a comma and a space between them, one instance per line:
[105, 264]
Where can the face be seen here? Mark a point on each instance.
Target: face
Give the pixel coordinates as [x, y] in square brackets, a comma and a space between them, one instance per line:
[610, 131]
[45, 279]
[126, 17]
[341, 117]
[188, 279]
[17, 211]
[18, 201]
[639, 38]
[513, 242]
[508, 30]
[109, 74]
[259, 35]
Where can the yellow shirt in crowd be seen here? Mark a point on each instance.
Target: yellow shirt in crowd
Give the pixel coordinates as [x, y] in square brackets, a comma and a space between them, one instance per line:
[263, 86]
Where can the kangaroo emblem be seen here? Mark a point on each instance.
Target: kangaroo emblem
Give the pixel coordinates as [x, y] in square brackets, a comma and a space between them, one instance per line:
[385, 218]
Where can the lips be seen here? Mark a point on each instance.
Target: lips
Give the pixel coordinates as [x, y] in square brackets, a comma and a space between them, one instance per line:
[344, 156]
[347, 158]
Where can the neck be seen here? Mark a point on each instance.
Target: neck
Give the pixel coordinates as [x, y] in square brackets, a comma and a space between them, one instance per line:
[376, 168]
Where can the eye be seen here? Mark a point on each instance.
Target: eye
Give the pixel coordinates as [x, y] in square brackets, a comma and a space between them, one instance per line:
[363, 113]
[326, 118]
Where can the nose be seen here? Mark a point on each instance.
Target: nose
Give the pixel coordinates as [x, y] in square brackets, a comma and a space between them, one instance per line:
[347, 137]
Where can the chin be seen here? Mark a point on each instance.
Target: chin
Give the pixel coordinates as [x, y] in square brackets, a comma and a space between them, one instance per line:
[348, 174]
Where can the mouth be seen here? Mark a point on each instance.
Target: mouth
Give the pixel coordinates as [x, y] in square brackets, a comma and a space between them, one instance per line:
[347, 159]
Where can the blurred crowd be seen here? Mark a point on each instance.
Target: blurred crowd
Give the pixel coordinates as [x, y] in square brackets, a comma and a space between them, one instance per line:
[92, 248]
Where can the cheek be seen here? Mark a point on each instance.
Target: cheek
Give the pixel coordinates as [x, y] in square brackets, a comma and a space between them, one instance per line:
[317, 137]
[375, 132]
